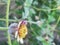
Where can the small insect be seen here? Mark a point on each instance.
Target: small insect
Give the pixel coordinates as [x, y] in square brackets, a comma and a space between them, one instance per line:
[22, 31]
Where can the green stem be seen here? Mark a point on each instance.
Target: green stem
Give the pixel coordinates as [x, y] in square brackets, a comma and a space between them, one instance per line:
[7, 22]
[7, 12]
[57, 22]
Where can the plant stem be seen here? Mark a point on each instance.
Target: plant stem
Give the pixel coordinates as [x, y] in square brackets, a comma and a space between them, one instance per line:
[7, 22]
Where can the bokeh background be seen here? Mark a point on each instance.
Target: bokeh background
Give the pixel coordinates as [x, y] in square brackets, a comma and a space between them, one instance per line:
[43, 18]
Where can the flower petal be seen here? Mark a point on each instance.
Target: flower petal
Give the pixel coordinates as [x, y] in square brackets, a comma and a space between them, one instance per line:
[16, 34]
[18, 38]
[21, 40]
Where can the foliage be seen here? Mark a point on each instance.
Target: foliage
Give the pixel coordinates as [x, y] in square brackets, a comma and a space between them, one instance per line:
[35, 11]
[43, 18]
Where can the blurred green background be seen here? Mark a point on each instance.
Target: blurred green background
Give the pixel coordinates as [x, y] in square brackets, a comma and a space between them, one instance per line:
[43, 18]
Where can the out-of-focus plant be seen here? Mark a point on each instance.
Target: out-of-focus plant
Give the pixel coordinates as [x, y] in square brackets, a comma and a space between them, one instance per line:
[41, 16]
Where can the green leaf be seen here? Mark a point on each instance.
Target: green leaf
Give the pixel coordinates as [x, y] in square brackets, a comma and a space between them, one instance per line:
[29, 2]
[51, 19]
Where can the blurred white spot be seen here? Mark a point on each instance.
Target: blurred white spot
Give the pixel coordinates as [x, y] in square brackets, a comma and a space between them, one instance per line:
[58, 7]
[18, 38]
[21, 40]
[39, 23]
[36, 17]
[25, 4]
[16, 34]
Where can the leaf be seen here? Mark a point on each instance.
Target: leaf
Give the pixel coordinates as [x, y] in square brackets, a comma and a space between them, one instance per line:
[32, 11]
[35, 3]
[40, 38]
[36, 29]
[29, 2]
[51, 18]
